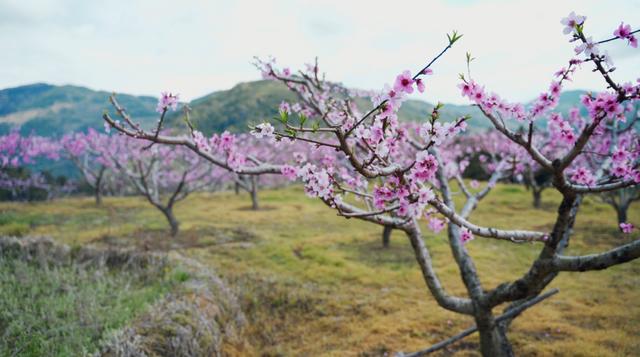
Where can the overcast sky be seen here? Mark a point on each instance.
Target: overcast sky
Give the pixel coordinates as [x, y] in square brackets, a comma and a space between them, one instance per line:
[196, 47]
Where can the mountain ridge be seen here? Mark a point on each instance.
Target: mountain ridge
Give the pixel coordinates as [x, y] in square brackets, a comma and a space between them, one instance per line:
[52, 110]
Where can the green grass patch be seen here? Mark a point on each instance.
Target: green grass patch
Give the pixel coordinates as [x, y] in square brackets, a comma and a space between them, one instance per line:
[66, 310]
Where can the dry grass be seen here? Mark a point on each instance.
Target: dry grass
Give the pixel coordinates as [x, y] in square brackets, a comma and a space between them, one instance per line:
[312, 283]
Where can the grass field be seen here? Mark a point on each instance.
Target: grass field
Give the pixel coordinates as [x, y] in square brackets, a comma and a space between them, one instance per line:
[313, 283]
[67, 310]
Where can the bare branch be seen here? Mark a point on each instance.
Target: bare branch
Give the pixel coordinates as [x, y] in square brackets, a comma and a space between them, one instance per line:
[599, 261]
[510, 235]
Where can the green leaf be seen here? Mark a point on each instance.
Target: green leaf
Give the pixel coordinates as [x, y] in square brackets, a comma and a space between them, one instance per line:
[453, 37]
[284, 117]
[290, 132]
[469, 58]
[315, 126]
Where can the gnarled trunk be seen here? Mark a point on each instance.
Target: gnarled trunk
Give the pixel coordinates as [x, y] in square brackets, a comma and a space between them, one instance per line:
[493, 337]
[386, 236]
[171, 218]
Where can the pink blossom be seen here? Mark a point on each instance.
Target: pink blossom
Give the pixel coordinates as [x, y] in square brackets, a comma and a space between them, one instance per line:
[570, 22]
[555, 88]
[425, 195]
[560, 72]
[200, 141]
[619, 171]
[285, 107]
[289, 172]
[624, 32]
[466, 88]
[226, 140]
[420, 85]
[317, 182]
[425, 167]
[626, 228]
[167, 101]
[588, 47]
[583, 176]
[263, 130]
[619, 156]
[404, 83]
[436, 225]
[236, 160]
[465, 235]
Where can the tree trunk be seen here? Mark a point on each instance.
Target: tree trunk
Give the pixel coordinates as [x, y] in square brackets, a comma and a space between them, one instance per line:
[236, 188]
[254, 193]
[386, 236]
[537, 197]
[98, 189]
[621, 210]
[98, 194]
[493, 338]
[173, 222]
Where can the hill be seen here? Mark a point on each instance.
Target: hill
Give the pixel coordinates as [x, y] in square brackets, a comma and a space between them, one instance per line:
[252, 102]
[50, 110]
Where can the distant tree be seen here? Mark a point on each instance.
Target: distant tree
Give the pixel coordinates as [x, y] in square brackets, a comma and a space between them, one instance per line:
[164, 175]
[85, 151]
[17, 154]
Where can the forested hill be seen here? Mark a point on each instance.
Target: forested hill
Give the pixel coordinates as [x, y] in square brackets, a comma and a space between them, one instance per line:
[50, 110]
[253, 102]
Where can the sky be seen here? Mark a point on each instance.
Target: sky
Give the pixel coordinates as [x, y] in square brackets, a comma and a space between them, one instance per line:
[196, 47]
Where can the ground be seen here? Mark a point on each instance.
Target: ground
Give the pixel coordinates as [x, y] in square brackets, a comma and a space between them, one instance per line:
[313, 283]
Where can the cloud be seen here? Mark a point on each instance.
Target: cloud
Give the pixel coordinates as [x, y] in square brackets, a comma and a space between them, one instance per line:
[195, 47]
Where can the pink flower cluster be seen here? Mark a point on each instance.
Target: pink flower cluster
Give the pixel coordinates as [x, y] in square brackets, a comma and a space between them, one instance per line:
[583, 176]
[604, 103]
[493, 102]
[223, 146]
[289, 172]
[318, 182]
[465, 235]
[167, 101]
[436, 224]
[438, 132]
[626, 227]
[263, 130]
[561, 129]
[624, 158]
[425, 168]
[16, 150]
